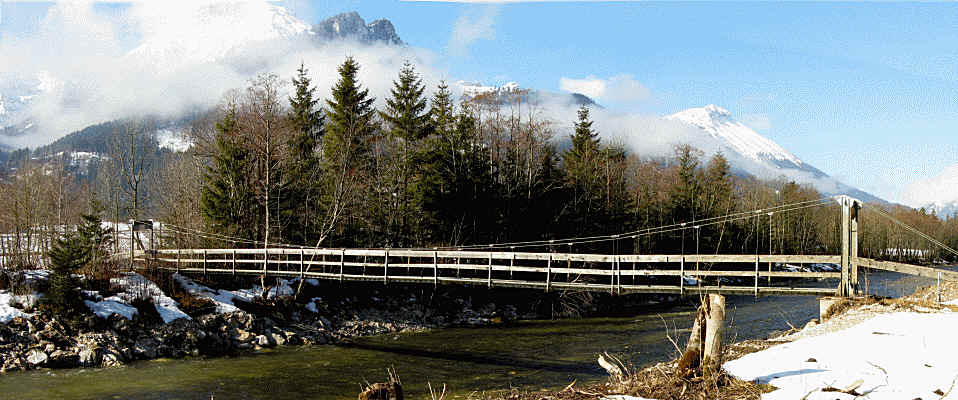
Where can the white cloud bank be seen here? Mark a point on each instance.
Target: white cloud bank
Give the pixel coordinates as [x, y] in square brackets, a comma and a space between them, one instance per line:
[618, 89]
[186, 58]
[941, 189]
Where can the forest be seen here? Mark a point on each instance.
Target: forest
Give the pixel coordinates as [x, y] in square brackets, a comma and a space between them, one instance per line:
[424, 170]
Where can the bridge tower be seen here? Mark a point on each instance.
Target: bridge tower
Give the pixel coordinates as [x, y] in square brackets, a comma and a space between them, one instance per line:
[849, 280]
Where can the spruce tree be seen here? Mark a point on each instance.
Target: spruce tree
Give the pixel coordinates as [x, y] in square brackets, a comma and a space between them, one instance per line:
[227, 200]
[407, 122]
[581, 169]
[346, 145]
[71, 253]
[303, 164]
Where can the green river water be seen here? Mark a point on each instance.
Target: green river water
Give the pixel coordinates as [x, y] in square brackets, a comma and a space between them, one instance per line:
[530, 354]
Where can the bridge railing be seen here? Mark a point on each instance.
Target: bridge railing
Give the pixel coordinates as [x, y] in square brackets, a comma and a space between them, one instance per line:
[624, 273]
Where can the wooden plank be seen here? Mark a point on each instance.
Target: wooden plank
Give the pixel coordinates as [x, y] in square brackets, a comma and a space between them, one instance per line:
[928, 272]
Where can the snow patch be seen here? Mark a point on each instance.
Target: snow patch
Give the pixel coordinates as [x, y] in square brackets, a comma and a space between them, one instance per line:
[896, 356]
[8, 311]
[111, 305]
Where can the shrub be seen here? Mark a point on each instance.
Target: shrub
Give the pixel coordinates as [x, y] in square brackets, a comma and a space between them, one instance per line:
[68, 255]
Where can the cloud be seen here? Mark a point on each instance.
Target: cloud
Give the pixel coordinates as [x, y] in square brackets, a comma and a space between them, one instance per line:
[759, 122]
[470, 28]
[188, 63]
[621, 89]
[941, 189]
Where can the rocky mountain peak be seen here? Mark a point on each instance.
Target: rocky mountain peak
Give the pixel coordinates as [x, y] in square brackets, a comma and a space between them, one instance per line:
[352, 26]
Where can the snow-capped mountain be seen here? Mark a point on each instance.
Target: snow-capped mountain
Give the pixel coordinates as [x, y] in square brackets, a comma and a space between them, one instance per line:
[208, 32]
[743, 140]
[938, 193]
[473, 89]
[752, 153]
[208, 41]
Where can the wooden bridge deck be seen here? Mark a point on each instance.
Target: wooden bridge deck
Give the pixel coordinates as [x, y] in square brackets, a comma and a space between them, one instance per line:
[544, 271]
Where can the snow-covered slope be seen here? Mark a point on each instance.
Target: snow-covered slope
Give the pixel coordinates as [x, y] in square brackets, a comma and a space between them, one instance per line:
[938, 194]
[752, 153]
[743, 140]
[211, 31]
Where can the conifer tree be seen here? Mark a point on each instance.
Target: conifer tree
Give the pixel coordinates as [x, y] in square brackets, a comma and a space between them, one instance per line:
[70, 253]
[407, 123]
[227, 200]
[581, 169]
[346, 145]
[303, 164]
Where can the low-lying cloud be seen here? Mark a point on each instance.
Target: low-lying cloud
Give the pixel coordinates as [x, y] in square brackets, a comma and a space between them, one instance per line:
[622, 89]
[167, 61]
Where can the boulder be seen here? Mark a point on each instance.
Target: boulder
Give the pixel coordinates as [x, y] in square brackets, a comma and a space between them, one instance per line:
[278, 339]
[89, 357]
[37, 357]
[63, 359]
[263, 341]
[145, 348]
[111, 358]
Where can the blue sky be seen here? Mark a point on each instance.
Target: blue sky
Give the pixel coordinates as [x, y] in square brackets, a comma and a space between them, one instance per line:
[867, 92]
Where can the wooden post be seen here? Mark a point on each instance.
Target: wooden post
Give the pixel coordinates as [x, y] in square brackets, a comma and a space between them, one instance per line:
[549, 273]
[204, 263]
[853, 247]
[386, 269]
[490, 269]
[618, 272]
[612, 275]
[302, 264]
[435, 268]
[846, 216]
[132, 222]
[178, 250]
[342, 263]
[234, 262]
[756, 275]
[512, 262]
[682, 276]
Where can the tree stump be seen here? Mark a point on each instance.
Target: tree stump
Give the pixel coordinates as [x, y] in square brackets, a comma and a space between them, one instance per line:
[703, 353]
[382, 391]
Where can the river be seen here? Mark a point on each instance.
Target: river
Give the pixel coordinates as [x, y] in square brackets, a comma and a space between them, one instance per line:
[528, 354]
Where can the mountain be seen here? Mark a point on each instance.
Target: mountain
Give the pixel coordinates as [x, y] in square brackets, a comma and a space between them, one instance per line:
[474, 89]
[754, 154]
[937, 194]
[351, 26]
[208, 41]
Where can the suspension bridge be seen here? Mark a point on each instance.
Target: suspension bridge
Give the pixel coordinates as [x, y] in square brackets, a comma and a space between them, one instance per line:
[505, 265]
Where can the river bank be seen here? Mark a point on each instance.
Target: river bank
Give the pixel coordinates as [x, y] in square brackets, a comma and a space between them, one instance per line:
[878, 348]
[239, 318]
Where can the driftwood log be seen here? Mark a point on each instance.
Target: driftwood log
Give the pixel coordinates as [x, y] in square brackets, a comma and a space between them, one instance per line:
[703, 353]
[382, 391]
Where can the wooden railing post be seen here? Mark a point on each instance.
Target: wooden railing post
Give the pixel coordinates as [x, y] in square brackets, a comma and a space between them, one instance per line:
[302, 264]
[549, 273]
[204, 263]
[756, 274]
[435, 268]
[490, 269]
[682, 276]
[265, 261]
[234, 262]
[512, 262]
[386, 269]
[342, 263]
[178, 251]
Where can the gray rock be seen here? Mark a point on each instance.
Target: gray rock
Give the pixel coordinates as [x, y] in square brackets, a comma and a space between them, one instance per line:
[145, 348]
[89, 357]
[37, 357]
[111, 358]
[263, 341]
[278, 339]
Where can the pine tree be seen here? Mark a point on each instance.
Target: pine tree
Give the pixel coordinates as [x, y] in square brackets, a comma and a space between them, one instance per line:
[582, 170]
[303, 164]
[71, 253]
[346, 146]
[227, 200]
[407, 122]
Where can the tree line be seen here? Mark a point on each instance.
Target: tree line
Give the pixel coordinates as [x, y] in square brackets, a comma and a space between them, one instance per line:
[427, 170]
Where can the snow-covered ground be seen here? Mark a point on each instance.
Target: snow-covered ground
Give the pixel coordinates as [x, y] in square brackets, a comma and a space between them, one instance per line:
[901, 355]
[8, 310]
[224, 298]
